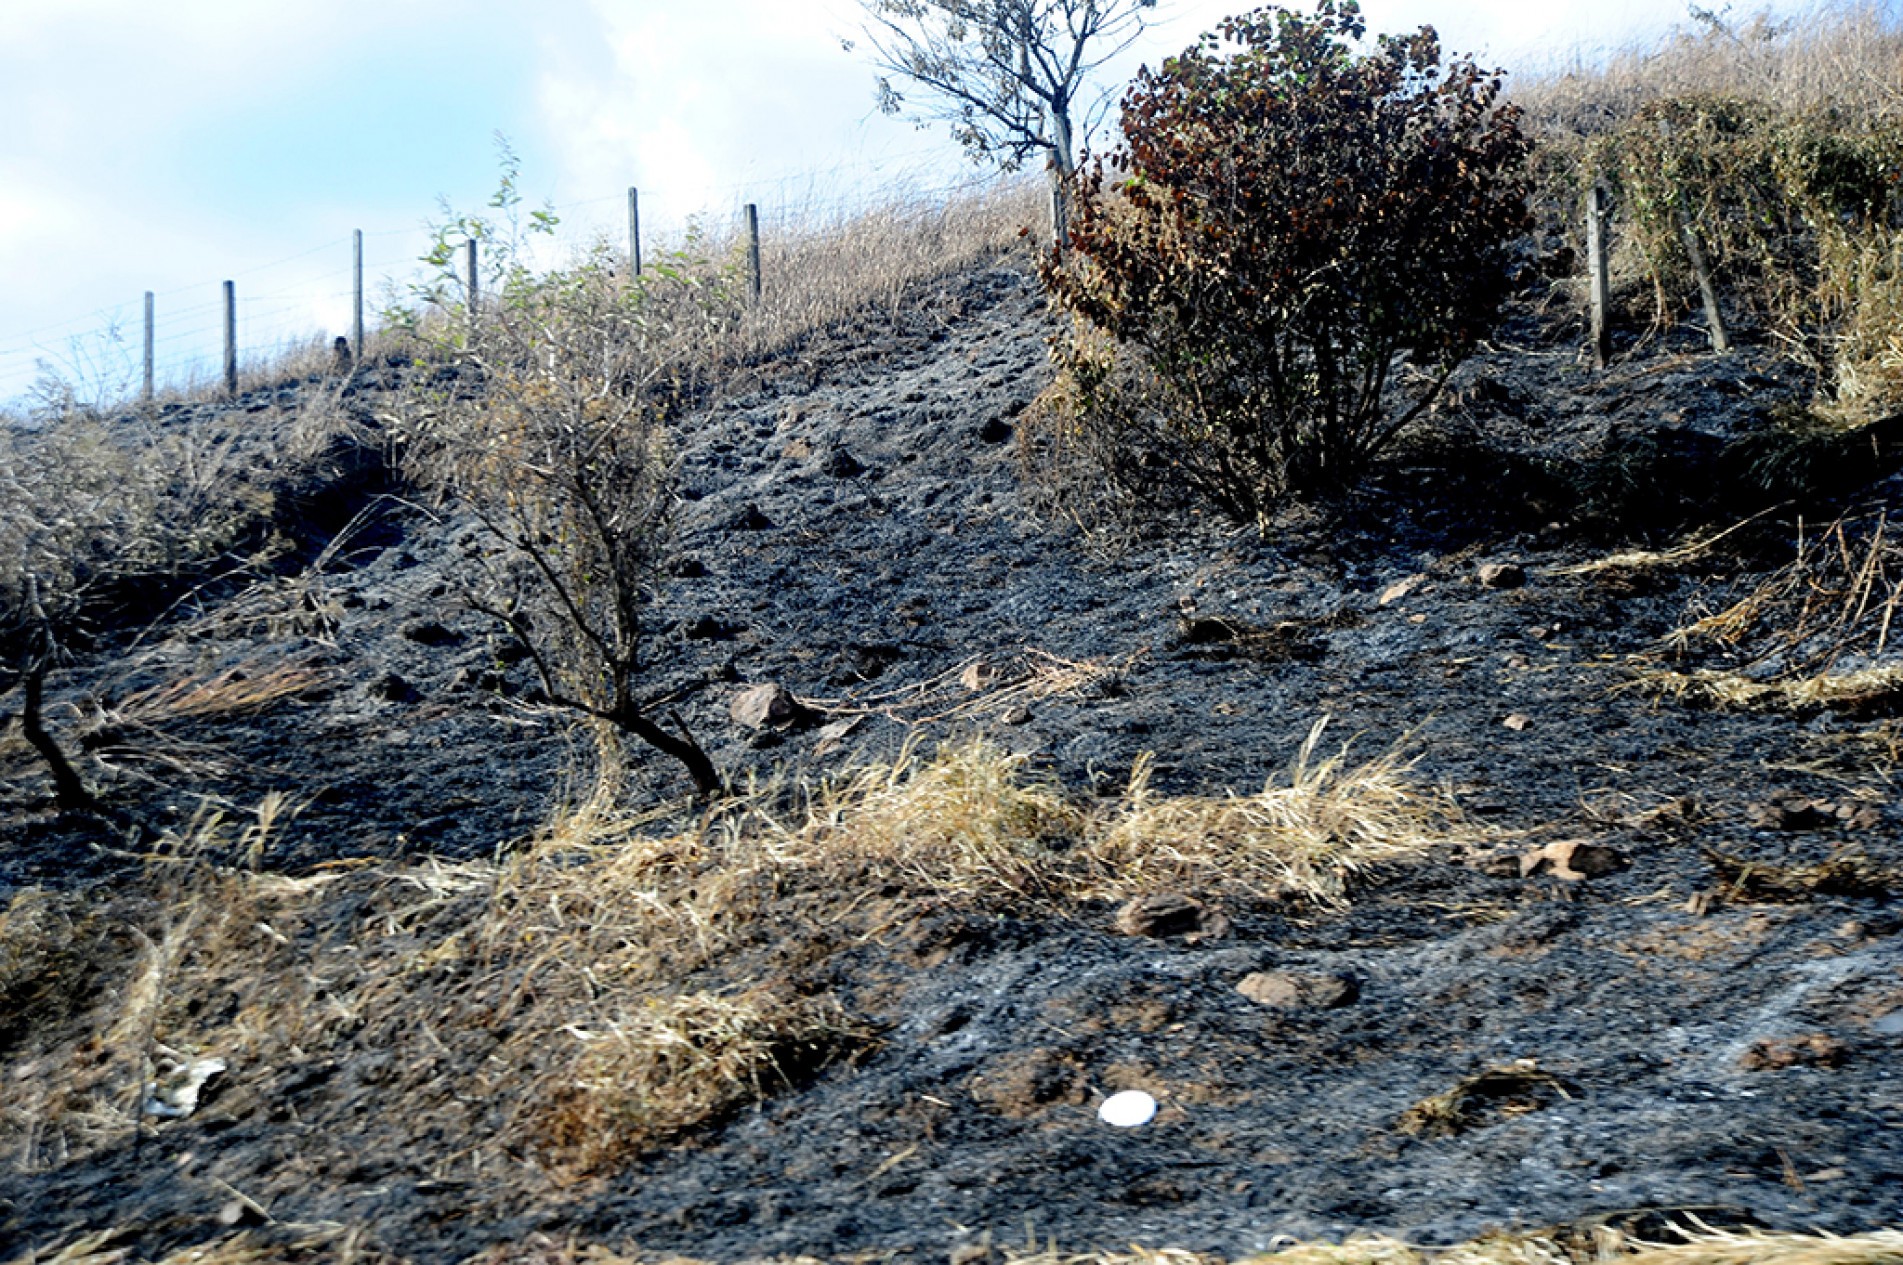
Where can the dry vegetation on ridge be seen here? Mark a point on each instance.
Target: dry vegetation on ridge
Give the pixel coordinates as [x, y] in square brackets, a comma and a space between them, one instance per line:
[1771, 145]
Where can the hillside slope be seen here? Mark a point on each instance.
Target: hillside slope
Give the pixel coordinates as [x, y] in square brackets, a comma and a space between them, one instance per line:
[1474, 1038]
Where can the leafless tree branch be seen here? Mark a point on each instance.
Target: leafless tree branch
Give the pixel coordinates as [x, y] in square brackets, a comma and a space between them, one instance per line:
[1007, 75]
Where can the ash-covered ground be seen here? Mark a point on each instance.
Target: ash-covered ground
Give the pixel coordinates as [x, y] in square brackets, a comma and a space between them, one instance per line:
[1665, 1035]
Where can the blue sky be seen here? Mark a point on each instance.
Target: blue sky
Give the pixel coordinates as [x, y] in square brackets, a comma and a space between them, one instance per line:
[167, 145]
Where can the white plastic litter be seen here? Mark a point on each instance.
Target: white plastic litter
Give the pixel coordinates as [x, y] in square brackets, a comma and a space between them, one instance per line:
[1128, 1109]
[175, 1094]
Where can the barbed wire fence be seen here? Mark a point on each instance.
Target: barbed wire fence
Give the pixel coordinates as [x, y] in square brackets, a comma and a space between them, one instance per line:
[260, 317]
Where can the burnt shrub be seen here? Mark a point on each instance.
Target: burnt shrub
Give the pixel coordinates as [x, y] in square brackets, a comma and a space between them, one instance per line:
[1275, 272]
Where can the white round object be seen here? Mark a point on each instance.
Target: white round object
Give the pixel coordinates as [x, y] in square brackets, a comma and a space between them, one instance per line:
[1128, 1109]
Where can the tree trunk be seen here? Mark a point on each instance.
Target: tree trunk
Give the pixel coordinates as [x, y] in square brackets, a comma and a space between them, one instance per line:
[1062, 166]
[707, 780]
[69, 792]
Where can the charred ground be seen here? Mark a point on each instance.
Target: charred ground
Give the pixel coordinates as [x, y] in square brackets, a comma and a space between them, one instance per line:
[1705, 1023]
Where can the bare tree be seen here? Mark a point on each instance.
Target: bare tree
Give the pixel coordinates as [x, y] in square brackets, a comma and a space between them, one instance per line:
[26, 656]
[562, 457]
[99, 519]
[1006, 74]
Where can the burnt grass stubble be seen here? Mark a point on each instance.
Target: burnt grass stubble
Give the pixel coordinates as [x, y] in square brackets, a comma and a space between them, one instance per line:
[854, 521]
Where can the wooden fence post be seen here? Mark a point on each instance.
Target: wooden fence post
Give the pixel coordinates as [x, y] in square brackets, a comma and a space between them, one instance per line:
[634, 231]
[1695, 254]
[753, 249]
[356, 319]
[1596, 214]
[474, 283]
[146, 394]
[1707, 291]
[231, 338]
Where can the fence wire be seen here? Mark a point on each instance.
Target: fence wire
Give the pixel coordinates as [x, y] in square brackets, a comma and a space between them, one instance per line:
[303, 298]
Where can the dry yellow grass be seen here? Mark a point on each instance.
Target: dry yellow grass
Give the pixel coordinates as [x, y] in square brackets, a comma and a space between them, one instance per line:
[1835, 53]
[1508, 1090]
[1869, 689]
[1716, 1248]
[1135, 1256]
[1685, 553]
[1816, 632]
[105, 985]
[90, 502]
[818, 270]
[677, 1062]
[233, 691]
[55, 951]
[33, 927]
[1306, 837]
[1606, 1247]
[1869, 352]
[968, 822]
[623, 982]
[1709, 1247]
[1590, 1243]
[323, 1245]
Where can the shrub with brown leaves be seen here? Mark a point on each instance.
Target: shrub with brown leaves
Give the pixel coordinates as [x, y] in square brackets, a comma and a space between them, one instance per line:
[1292, 249]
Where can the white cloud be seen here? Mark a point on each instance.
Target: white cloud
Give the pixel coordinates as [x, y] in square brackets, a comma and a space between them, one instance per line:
[98, 82]
[25, 212]
[707, 106]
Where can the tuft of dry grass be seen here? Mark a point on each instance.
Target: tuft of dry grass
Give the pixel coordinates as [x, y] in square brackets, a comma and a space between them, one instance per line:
[1033, 1255]
[1864, 692]
[134, 731]
[289, 1245]
[1868, 353]
[1307, 837]
[234, 691]
[1510, 1090]
[679, 1062]
[970, 822]
[1816, 632]
[1684, 554]
[1741, 1248]
[1846, 872]
[1701, 1247]
[967, 822]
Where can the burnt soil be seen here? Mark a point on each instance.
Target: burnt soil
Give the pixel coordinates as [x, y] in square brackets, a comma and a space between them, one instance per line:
[855, 527]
